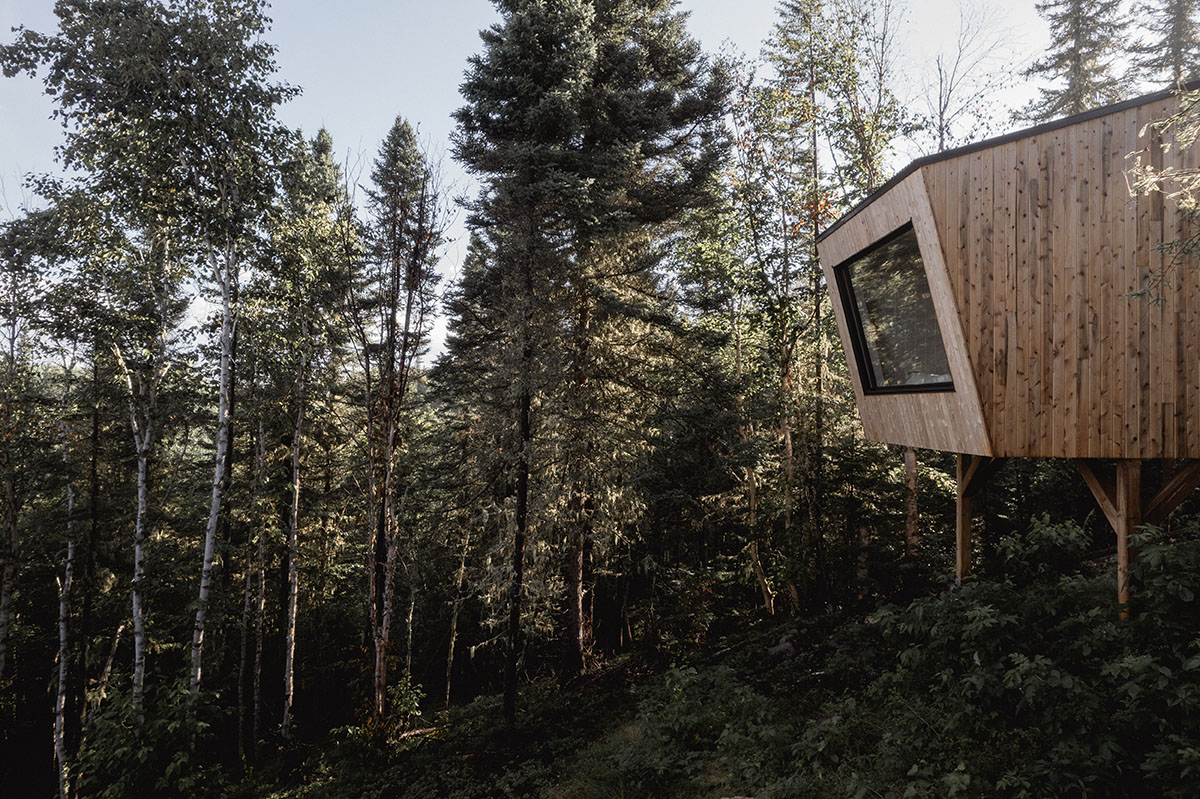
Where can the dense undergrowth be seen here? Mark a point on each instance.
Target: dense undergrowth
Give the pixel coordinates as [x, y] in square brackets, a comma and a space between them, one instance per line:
[1027, 683]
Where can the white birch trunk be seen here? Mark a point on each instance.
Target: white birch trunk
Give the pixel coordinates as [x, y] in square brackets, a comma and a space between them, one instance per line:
[62, 766]
[139, 567]
[141, 415]
[226, 277]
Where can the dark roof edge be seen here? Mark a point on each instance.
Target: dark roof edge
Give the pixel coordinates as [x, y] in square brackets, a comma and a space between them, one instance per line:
[1005, 139]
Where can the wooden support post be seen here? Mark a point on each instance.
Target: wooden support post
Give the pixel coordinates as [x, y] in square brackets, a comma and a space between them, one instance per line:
[962, 526]
[1129, 511]
[1121, 500]
[973, 472]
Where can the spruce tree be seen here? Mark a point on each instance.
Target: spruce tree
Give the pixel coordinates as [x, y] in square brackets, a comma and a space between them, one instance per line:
[1172, 54]
[391, 317]
[593, 125]
[1085, 38]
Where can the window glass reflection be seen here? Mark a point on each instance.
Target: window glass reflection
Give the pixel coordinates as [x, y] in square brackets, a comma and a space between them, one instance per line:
[898, 327]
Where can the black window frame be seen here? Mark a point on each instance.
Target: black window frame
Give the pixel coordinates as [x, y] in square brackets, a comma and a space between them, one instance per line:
[858, 335]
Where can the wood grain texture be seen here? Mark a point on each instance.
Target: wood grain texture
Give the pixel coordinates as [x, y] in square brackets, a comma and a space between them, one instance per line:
[1034, 249]
[951, 420]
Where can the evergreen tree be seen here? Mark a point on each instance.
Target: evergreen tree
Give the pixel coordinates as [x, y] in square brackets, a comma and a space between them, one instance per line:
[1085, 38]
[575, 120]
[1172, 53]
[392, 315]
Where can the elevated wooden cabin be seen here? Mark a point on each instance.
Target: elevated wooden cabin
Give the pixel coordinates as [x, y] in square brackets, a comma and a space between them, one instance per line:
[987, 301]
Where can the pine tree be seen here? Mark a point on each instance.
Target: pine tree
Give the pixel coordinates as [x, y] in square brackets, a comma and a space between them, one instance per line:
[1085, 38]
[391, 317]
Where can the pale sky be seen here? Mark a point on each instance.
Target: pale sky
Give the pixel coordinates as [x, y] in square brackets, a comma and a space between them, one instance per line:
[360, 63]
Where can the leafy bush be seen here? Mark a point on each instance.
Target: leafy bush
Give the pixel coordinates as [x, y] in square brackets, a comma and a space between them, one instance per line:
[167, 759]
[697, 732]
[1031, 686]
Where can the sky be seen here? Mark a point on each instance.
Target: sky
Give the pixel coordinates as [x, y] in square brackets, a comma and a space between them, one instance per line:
[361, 63]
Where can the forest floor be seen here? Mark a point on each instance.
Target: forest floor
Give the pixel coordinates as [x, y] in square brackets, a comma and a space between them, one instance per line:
[1024, 683]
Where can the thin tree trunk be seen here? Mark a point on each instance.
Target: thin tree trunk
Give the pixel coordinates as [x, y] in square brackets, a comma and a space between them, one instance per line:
[455, 608]
[244, 649]
[293, 553]
[574, 573]
[247, 590]
[143, 404]
[408, 647]
[61, 757]
[576, 632]
[525, 445]
[226, 275]
[108, 664]
[139, 566]
[65, 647]
[260, 610]
[8, 571]
[910, 502]
[384, 576]
[518, 559]
[8, 550]
[746, 431]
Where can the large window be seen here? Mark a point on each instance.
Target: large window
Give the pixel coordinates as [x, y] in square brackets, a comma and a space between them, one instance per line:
[894, 329]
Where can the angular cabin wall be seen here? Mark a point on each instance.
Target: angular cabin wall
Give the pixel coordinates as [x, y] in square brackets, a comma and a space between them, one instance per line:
[1043, 245]
[948, 420]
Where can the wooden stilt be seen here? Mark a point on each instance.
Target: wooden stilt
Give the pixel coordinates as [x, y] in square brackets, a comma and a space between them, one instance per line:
[962, 526]
[1121, 500]
[1129, 511]
[973, 472]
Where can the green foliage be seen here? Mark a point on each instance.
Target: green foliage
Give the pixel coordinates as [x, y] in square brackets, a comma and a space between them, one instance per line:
[1027, 687]
[170, 757]
[1085, 40]
[698, 732]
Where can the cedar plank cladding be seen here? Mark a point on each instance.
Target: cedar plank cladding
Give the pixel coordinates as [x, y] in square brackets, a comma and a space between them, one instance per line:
[949, 420]
[1032, 246]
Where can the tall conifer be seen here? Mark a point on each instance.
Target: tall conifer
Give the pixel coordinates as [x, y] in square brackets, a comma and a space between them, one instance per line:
[1085, 38]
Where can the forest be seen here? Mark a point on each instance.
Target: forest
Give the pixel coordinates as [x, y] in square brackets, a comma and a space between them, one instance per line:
[620, 533]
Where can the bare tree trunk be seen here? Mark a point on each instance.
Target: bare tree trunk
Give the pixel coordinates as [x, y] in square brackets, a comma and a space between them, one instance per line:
[910, 502]
[518, 557]
[525, 445]
[108, 664]
[260, 608]
[789, 465]
[576, 643]
[61, 758]
[384, 571]
[412, 608]
[289, 646]
[8, 569]
[746, 430]
[226, 275]
[247, 590]
[139, 566]
[61, 755]
[244, 650]
[456, 607]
